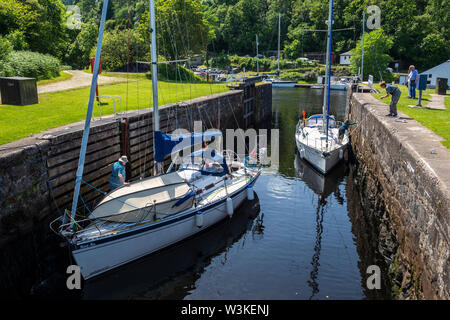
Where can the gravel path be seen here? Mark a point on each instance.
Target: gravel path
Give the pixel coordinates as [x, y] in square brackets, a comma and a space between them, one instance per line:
[79, 79]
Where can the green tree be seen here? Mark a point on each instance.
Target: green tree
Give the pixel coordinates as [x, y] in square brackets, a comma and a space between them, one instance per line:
[376, 46]
[181, 28]
[18, 41]
[5, 48]
[79, 50]
[42, 23]
[115, 49]
[435, 50]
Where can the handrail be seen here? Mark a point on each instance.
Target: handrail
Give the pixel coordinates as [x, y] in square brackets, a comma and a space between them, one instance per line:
[113, 97]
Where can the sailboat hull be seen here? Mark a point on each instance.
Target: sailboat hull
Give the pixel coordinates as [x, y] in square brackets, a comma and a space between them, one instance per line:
[322, 161]
[282, 84]
[98, 256]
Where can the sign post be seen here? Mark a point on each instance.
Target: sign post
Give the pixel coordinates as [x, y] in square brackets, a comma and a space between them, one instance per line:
[422, 85]
[99, 71]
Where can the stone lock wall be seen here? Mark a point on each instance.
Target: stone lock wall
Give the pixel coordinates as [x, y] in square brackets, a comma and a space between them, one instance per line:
[398, 180]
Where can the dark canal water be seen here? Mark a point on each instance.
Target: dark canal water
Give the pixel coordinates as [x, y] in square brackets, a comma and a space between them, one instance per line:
[299, 239]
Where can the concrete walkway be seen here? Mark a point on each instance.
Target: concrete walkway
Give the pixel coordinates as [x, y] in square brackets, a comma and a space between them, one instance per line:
[424, 143]
[79, 79]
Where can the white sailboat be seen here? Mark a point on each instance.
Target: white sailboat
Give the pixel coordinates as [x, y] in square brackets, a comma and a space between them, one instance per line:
[148, 215]
[317, 138]
[277, 83]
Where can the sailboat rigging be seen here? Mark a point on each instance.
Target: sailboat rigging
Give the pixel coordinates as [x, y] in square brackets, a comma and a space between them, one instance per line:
[317, 138]
[277, 82]
[155, 212]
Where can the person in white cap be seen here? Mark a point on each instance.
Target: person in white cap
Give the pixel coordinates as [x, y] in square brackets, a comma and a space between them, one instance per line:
[118, 175]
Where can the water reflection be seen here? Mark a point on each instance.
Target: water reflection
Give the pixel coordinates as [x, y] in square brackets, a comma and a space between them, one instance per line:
[323, 187]
[172, 272]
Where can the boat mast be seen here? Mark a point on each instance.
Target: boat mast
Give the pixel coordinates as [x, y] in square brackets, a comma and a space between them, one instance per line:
[362, 59]
[257, 56]
[87, 123]
[279, 31]
[326, 98]
[154, 81]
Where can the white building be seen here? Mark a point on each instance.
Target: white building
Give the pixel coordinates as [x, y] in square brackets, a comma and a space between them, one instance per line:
[345, 58]
[440, 71]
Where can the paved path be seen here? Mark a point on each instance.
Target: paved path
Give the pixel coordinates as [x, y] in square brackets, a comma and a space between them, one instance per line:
[436, 102]
[79, 79]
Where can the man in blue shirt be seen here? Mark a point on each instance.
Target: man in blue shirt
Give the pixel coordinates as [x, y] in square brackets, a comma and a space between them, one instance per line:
[412, 80]
[396, 93]
[118, 175]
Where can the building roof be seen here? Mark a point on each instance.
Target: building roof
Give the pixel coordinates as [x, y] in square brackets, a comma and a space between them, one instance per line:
[348, 53]
[435, 67]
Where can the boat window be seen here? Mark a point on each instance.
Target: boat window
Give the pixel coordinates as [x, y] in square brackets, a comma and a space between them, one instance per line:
[318, 122]
[203, 164]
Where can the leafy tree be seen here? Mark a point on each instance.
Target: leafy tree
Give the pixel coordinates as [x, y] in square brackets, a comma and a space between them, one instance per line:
[435, 49]
[78, 53]
[5, 48]
[18, 41]
[42, 23]
[180, 26]
[115, 49]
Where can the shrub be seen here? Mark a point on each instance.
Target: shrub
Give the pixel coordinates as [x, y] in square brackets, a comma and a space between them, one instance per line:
[30, 64]
[311, 76]
[221, 61]
[341, 71]
[291, 76]
[5, 48]
[120, 47]
[18, 41]
[168, 72]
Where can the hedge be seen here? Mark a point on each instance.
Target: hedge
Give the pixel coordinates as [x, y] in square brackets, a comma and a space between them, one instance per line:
[30, 64]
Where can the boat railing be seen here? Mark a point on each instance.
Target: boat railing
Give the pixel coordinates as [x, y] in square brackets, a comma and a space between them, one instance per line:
[73, 227]
[321, 144]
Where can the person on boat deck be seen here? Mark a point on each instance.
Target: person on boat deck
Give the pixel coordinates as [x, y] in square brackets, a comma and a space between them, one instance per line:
[344, 128]
[396, 93]
[118, 175]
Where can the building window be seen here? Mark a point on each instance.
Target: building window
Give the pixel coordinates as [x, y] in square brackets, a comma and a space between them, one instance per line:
[431, 75]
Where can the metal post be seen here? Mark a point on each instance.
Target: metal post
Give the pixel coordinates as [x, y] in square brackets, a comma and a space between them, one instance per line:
[154, 79]
[257, 56]
[326, 102]
[87, 123]
[362, 59]
[420, 99]
[279, 31]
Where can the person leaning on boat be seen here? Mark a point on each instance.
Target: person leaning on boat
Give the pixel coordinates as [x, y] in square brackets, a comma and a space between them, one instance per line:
[118, 174]
[344, 128]
[396, 93]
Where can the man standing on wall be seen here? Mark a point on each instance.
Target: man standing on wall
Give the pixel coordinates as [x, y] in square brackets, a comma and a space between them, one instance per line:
[118, 176]
[412, 81]
[396, 93]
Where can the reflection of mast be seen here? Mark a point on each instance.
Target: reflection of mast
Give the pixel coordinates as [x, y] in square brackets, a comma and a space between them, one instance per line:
[276, 116]
[317, 246]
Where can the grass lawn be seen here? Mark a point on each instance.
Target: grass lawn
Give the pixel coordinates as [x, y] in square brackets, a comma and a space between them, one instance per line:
[64, 107]
[62, 76]
[436, 120]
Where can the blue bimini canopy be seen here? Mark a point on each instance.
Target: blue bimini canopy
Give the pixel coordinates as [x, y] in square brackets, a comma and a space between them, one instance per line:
[168, 144]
